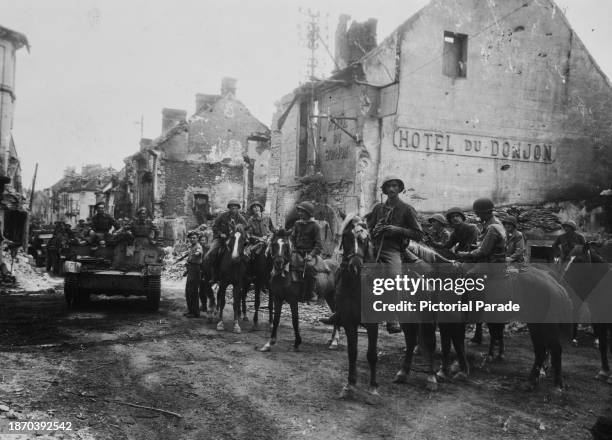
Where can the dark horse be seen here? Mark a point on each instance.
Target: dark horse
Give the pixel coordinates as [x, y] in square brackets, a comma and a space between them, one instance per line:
[357, 250]
[590, 276]
[259, 268]
[232, 271]
[283, 289]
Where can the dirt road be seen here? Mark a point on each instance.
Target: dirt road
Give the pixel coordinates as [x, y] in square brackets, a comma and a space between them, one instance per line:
[83, 367]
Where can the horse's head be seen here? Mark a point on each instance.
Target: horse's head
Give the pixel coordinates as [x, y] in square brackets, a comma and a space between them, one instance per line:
[355, 244]
[237, 241]
[279, 250]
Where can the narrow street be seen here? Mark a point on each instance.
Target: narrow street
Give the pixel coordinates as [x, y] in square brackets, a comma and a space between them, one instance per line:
[79, 368]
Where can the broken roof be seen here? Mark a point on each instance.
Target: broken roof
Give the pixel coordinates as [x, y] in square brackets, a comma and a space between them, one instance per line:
[17, 38]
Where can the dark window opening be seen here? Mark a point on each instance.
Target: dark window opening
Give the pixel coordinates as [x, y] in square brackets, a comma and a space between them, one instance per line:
[201, 208]
[455, 55]
[302, 159]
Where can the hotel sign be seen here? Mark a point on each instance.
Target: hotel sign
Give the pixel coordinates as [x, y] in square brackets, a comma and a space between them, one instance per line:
[472, 145]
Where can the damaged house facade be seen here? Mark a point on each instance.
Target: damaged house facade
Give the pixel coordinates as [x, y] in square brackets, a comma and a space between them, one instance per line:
[12, 210]
[75, 195]
[199, 163]
[465, 99]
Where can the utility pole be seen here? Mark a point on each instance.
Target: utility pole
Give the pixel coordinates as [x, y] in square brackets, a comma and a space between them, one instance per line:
[311, 35]
[33, 184]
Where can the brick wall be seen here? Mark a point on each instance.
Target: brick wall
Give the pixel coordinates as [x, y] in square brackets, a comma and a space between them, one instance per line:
[182, 179]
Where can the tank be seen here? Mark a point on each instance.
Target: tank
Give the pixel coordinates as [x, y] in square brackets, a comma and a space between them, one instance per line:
[116, 267]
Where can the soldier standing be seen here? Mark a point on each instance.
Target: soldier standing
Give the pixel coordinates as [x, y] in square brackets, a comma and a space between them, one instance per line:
[192, 285]
[307, 246]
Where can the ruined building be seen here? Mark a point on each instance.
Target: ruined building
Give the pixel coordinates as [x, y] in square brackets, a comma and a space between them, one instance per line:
[198, 163]
[75, 195]
[12, 210]
[465, 99]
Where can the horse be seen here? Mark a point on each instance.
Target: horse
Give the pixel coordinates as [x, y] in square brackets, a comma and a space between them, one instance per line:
[258, 272]
[357, 250]
[544, 336]
[589, 275]
[451, 332]
[282, 288]
[232, 271]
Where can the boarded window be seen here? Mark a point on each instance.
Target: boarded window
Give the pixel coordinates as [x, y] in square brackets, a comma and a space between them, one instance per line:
[454, 63]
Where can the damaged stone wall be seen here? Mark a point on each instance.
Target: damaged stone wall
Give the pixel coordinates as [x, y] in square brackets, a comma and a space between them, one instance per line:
[182, 179]
[220, 132]
[521, 126]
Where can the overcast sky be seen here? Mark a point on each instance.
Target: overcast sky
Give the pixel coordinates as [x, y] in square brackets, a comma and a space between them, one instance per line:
[96, 66]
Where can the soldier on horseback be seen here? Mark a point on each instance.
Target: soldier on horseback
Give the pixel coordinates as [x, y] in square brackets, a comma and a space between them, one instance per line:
[222, 228]
[492, 249]
[464, 234]
[393, 224]
[307, 246]
[565, 243]
[259, 225]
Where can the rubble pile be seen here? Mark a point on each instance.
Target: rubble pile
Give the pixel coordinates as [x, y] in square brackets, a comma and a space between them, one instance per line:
[24, 276]
[173, 269]
[529, 217]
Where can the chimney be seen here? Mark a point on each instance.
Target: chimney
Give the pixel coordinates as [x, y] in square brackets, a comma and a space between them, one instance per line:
[341, 43]
[204, 102]
[145, 143]
[361, 38]
[171, 117]
[228, 85]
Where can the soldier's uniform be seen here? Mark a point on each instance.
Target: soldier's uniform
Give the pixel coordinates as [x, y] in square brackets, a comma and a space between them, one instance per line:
[515, 243]
[192, 285]
[390, 248]
[464, 235]
[101, 223]
[307, 246]
[438, 237]
[492, 249]
[564, 243]
[222, 228]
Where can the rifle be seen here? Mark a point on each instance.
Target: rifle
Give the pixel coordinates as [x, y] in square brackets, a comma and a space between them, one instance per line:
[383, 222]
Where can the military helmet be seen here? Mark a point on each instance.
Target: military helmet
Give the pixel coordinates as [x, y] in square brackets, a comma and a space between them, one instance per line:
[193, 233]
[388, 179]
[233, 202]
[437, 218]
[306, 206]
[256, 203]
[510, 220]
[142, 209]
[454, 211]
[570, 223]
[483, 205]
